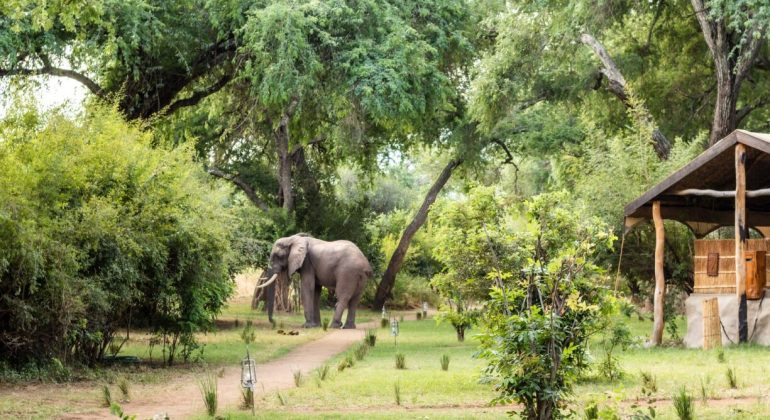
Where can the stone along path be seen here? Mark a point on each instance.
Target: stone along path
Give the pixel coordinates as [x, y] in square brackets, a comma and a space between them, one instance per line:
[181, 398]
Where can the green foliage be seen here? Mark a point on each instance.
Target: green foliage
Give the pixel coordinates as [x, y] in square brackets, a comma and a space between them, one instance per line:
[96, 228]
[649, 383]
[445, 362]
[618, 336]
[536, 329]
[125, 389]
[325, 323]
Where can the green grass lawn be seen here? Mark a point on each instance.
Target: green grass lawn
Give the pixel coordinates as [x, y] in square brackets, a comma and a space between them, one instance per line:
[367, 389]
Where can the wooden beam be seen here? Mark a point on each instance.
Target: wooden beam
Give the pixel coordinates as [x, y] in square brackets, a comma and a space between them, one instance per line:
[660, 279]
[741, 236]
[764, 192]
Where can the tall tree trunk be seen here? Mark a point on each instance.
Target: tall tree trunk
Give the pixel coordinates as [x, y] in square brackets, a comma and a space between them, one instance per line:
[730, 68]
[394, 266]
[285, 193]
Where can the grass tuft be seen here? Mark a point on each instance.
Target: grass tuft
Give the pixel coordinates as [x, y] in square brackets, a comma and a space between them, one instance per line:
[704, 389]
[649, 382]
[419, 316]
[683, 405]
[322, 372]
[400, 361]
[444, 362]
[397, 393]
[371, 338]
[361, 350]
[384, 323]
[281, 398]
[325, 323]
[125, 389]
[721, 355]
[247, 396]
[208, 387]
[297, 378]
[106, 396]
[732, 378]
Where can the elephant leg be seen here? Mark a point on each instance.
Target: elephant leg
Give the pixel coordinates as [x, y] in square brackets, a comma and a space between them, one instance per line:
[350, 321]
[342, 303]
[307, 290]
[317, 305]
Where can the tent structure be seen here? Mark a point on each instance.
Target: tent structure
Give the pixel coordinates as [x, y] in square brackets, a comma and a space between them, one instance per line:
[727, 185]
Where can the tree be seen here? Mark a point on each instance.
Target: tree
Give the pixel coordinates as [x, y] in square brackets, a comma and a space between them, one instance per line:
[735, 32]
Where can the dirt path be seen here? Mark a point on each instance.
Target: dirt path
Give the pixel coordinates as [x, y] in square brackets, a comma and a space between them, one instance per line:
[182, 399]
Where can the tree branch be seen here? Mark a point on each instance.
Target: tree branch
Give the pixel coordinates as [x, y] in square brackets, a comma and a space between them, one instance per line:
[744, 112]
[317, 139]
[49, 70]
[240, 183]
[617, 85]
[198, 95]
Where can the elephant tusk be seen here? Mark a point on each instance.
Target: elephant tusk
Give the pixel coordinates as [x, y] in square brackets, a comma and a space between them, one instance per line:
[267, 283]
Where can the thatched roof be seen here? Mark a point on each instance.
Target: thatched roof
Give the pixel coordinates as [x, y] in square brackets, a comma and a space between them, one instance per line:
[713, 169]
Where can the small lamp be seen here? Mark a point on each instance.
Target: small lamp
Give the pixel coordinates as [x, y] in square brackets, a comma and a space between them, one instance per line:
[384, 314]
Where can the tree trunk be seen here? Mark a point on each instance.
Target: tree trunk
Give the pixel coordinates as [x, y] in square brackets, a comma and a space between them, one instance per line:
[285, 193]
[394, 266]
[724, 109]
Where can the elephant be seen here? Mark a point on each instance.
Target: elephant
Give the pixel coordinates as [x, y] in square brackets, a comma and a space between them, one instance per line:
[339, 266]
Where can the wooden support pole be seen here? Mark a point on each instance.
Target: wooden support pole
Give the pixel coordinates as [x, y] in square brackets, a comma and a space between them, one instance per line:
[741, 236]
[712, 334]
[660, 279]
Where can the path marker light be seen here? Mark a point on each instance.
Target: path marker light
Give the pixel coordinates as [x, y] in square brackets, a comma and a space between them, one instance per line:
[424, 310]
[394, 330]
[249, 376]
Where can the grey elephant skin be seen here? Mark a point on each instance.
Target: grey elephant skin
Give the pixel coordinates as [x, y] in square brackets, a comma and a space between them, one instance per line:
[339, 266]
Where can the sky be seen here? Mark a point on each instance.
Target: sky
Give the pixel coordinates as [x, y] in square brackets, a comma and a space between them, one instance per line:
[50, 92]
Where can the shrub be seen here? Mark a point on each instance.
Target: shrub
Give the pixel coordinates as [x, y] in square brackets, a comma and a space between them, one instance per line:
[384, 322]
[325, 323]
[444, 362]
[721, 355]
[208, 387]
[400, 361]
[99, 224]
[537, 328]
[419, 316]
[619, 336]
[683, 405]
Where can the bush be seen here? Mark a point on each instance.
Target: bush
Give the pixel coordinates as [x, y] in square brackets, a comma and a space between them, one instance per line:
[684, 405]
[370, 338]
[536, 329]
[444, 362]
[98, 227]
[400, 361]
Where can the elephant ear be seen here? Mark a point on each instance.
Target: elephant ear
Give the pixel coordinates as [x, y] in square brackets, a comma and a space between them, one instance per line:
[297, 254]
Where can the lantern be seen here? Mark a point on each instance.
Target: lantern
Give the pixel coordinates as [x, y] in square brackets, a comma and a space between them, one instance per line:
[425, 309]
[249, 376]
[384, 314]
[394, 327]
